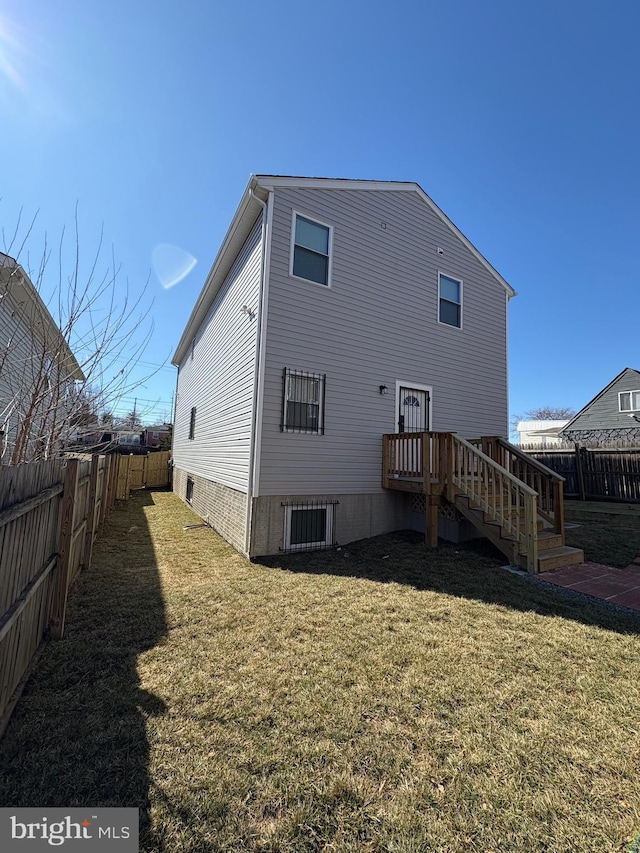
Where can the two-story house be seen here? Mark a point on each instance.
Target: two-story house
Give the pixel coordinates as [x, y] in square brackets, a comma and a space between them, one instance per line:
[335, 311]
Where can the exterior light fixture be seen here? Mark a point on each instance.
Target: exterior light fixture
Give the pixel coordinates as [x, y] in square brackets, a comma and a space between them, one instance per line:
[384, 389]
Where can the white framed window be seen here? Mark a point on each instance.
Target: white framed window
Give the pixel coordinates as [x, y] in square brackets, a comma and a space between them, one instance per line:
[309, 525]
[629, 401]
[449, 300]
[311, 245]
[303, 401]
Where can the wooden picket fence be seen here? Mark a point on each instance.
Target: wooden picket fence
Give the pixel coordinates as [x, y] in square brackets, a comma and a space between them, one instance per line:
[50, 515]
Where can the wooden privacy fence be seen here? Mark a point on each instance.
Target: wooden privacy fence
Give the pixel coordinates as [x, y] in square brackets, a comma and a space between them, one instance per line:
[140, 472]
[596, 473]
[50, 515]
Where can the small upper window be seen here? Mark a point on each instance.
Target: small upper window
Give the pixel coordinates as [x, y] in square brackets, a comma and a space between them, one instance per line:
[303, 405]
[192, 423]
[629, 401]
[311, 250]
[450, 301]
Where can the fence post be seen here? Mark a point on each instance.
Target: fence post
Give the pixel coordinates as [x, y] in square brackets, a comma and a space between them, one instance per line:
[579, 471]
[65, 536]
[106, 476]
[128, 486]
[90, 532]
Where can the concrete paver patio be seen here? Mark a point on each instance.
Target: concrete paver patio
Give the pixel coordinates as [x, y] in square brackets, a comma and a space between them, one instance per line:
[616, 586]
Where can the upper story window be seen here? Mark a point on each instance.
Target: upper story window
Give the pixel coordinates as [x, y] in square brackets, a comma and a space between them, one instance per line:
[192, 423]
[629, 401]
[303, 404]
[311, 250]
[449, 301]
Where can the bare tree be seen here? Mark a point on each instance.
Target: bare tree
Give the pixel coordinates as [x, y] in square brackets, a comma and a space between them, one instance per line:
[542, 413]
[64, 360]
[550, 413]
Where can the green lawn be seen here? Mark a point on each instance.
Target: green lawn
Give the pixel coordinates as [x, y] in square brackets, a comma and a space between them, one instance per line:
[614, 543]
[383, 697]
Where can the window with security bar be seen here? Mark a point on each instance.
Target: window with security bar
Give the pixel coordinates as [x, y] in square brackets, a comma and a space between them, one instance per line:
[303, 403]
[309, 525]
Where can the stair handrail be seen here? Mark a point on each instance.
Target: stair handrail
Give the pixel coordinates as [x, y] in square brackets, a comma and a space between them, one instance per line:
[503, 497]
[549, 484]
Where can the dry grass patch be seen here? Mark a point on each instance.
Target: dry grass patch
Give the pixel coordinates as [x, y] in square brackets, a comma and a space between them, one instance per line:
[384, 697]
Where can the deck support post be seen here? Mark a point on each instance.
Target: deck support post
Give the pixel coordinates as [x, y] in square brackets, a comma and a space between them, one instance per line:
[431, 521]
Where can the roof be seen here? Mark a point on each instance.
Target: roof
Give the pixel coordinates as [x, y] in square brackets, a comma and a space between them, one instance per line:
[23, 290]
[541, 426]
[600, 394]
[250, 207]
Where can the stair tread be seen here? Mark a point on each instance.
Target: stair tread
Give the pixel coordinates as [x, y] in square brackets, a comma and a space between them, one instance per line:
[561, 550]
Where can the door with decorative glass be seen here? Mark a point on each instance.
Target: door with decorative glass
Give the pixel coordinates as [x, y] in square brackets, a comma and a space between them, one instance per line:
[413, 410]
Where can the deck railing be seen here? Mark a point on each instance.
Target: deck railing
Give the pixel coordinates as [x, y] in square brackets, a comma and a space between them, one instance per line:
[403, 455]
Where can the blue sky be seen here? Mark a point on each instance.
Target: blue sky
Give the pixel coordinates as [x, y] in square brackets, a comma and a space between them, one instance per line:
[520, 120]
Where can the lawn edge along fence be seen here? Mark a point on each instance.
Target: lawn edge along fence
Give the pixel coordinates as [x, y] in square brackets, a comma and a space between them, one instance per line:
[50, 515]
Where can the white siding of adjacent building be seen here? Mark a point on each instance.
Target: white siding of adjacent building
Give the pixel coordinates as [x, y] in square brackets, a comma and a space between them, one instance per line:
[218, 379]
[541, 433]
[30, 341]
[376, 324]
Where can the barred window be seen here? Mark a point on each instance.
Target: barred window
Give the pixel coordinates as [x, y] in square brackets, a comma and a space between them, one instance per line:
[303, 403]
[309, 525]
[189, 491]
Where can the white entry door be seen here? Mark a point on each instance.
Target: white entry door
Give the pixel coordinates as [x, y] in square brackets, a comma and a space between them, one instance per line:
[413, 409]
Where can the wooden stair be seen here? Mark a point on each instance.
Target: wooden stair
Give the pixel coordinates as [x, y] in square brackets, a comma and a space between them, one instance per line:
[553, 554]
[511, 498]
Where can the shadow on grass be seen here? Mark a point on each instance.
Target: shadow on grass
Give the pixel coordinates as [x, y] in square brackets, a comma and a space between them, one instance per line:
[78, 734]
[471, 570]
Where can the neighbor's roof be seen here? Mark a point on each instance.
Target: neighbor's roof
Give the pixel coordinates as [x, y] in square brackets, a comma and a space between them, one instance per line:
[541, 426]
[604, 391]
[248, 210]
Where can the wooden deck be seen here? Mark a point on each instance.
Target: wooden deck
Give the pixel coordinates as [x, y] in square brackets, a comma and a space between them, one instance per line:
[514, 500]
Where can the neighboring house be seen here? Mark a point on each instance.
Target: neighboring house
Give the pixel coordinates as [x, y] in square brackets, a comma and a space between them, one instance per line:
[335, 311]
[156, 435]
[613, 416]
[541, 433]
[38, 372]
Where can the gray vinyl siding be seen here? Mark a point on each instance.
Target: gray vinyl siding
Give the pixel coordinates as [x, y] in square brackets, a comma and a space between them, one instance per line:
[219, 379]
[603, 412]
[377, 323]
